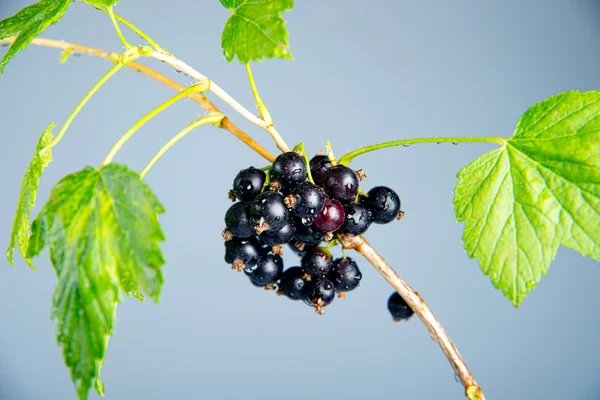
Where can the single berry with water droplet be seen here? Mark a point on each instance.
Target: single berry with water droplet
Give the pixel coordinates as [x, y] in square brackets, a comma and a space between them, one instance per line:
[289, 169]
[308, 234]
[282, 236]
[345, 274]
[248, 183]
[319, 293]
[358, 219]
[383, 203]
[237, 220]
[316, 261]
[242, 253]
[398, 308]
[306, 200]
[267, 271]
[331, 218]
[319, 167]
[292, 283]
[341, 183]
[268, 212]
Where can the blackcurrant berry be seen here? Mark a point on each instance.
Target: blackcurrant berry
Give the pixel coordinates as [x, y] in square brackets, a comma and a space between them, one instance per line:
[383, 203]
[267, 271]
[308, 234]
[237, 220]
[341, 183]
[292, 283]
[331, 218]
[282, 236]
[316, 261]
[306, 200]
[398, 308]
[358, 219]
[242, 253]
[345, 274]
[319, 293]
[319, 166]
[289, 169]
[268, 212]
[248, 183]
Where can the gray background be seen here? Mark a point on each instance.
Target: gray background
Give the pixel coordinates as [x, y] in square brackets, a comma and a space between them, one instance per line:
[394, 69]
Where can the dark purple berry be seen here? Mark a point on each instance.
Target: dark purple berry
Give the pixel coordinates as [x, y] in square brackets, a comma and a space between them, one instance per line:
[398, 308]
[316, 261]
[331, 218]
[292, 283]
[282, 236]
[319, 167]
[267, 271]
[248, 183]
[345, 274]
[306, 200]
[268, 212]
[308, 234]
[319, 293]
[341, 183]
[383, 203]
[237, 220]
[289, 169]
[358, 219]
[242, 253]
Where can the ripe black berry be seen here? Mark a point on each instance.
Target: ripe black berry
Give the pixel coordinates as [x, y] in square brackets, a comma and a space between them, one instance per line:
[308, 234]
[319, 293]
[398, 308]
[268, 212]
[319, 167]
[345, 274]
[341, 183]
[237, 220]
[289, 169]
[242, 253]
[331, 218]
[383, 203]
[267, 271]
[248, 183]
[293, 282]
[358, 219]
[306, 200]
[316, 262]
[282, 236]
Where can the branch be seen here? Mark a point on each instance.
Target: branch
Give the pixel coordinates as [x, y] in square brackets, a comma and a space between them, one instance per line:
[412, 298]
[197, 97]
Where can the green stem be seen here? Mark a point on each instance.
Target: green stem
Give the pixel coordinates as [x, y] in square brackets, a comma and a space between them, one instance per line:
[110, 12]
[262, 109]
[299, 148]
[83, 101]
[348, 157]
[201, 86]
[214, 119]
[137, 30]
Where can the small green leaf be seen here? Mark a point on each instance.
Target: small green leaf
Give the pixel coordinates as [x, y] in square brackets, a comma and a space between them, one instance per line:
[256, 30]
[29, 23]
[540, 190]
[102, 229]
[29, 186]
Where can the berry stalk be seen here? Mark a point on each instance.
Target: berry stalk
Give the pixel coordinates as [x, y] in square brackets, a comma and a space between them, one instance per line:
[418, 305]
[348, 157]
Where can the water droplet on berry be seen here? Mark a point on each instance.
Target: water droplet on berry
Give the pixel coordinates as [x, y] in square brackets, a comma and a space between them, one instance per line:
[307, 221]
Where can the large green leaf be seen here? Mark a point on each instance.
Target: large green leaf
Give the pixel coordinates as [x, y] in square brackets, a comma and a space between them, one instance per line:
[20, 231]
[540, 190]
[102, 229]
[255, 30]
[29, 23]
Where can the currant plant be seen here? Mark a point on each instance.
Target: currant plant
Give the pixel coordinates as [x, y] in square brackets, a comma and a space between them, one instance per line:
[538, 190]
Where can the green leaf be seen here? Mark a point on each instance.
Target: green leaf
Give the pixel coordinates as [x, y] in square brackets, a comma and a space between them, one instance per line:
[102, 229]
[256, 30]
[29, 186]
[540, 190]
[29, 23]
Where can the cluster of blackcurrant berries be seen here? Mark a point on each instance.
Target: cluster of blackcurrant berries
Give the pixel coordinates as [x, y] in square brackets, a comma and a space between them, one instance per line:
[303, 206]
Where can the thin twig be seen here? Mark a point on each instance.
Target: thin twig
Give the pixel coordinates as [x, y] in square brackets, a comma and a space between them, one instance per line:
[412, 298]
[197, 97]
